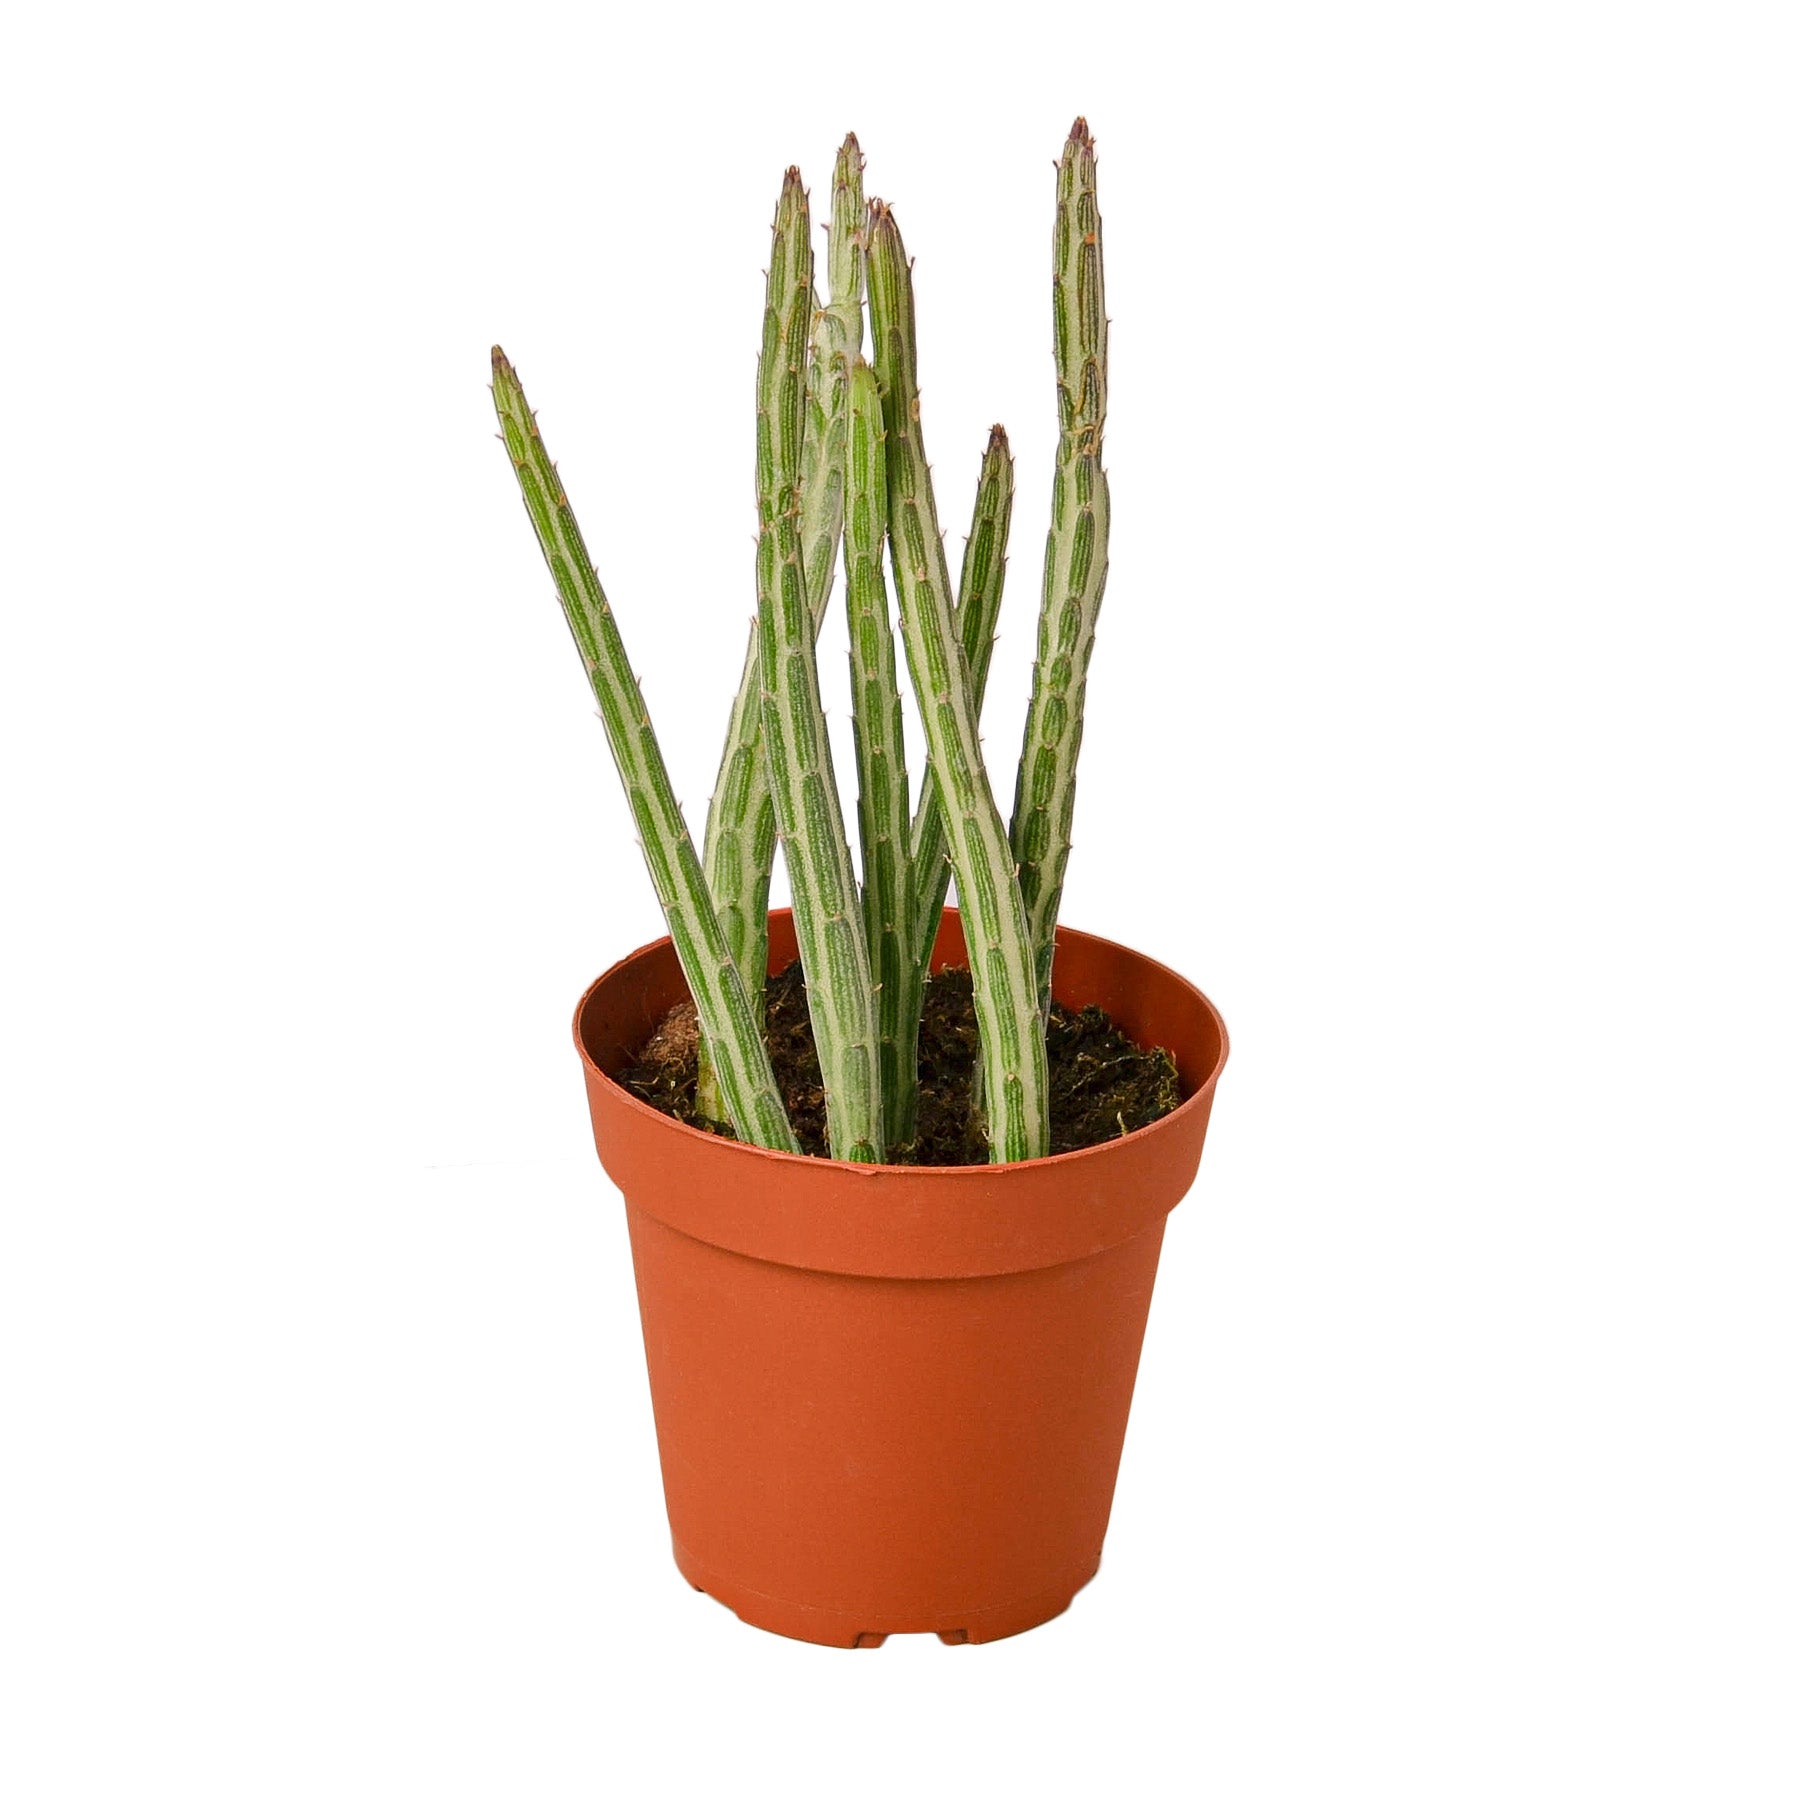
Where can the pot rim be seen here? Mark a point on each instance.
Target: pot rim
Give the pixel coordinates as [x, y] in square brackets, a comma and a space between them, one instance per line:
[1171, 1122]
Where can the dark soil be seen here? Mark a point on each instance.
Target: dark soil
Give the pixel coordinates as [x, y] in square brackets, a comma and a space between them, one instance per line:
[1102, 1085]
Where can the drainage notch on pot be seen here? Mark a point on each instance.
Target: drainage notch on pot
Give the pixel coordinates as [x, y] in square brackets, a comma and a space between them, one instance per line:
[893, 1399]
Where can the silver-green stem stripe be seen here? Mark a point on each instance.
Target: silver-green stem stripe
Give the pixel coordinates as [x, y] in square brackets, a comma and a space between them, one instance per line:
[1075, 555]
[1000, 958]
[828, 920]
[728, 1020]
[836, 342]
[882, 803]
[978, 591]
[740, 820]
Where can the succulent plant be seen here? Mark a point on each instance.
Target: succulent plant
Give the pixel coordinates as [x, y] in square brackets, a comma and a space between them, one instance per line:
[1001, 963]
[840, 461]
[727, 1018]
[890, 912]
[796, 750]
[740, 823]
[1074, 556]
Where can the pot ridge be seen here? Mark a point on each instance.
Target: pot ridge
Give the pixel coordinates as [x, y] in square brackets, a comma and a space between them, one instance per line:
[891, 1221]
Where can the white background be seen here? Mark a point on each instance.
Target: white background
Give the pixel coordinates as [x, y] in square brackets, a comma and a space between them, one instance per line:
[1442, 726]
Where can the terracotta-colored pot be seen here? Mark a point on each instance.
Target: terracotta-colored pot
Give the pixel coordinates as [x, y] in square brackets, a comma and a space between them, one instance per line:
[893, 1399]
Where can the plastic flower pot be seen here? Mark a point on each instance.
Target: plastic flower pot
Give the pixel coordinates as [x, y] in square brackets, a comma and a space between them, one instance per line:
[893, 1399]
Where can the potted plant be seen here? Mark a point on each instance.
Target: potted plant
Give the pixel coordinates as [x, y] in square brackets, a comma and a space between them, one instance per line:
[888, 1397]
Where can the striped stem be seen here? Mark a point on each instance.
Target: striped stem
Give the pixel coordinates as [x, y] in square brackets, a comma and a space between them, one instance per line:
[828, 921]
[882, 816]
[740, 821]
[729, 1021]
[1074, 556]
[977, 614]
[740, 853]
[1000, 956]
[836, 342]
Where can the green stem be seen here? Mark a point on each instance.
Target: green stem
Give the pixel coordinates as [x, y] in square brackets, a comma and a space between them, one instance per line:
[740, 821]
[729, 1022]
[828, 921]
[1074, 557]
[1000, 955]
[888, 906]
[977, 614]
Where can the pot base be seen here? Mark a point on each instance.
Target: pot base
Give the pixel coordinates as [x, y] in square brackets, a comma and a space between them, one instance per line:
[861, 1631]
